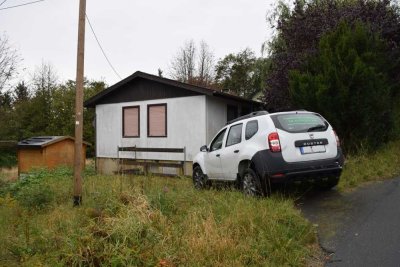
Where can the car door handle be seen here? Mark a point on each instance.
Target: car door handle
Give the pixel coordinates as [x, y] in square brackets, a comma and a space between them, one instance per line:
[236, 151]
[217, 155]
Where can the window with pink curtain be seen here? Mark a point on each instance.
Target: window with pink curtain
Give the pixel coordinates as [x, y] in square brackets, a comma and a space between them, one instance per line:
[157, 120]
[131, 121]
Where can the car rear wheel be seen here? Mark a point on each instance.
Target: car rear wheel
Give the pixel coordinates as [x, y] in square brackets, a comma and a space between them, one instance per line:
[251, 183]
[200, 180]
[329, 184]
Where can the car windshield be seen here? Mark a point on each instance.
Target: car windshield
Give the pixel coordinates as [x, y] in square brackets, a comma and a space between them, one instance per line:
[300, 122]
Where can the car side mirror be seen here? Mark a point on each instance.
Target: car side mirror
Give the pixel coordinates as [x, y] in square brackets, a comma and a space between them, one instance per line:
[204, 148]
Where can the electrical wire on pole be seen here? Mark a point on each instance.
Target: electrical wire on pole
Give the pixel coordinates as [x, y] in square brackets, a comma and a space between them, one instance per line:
[101, 48]
[24, 4]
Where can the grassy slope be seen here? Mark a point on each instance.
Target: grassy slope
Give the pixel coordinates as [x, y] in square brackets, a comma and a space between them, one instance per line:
[380, 165]
[159, 221]
[148, 222]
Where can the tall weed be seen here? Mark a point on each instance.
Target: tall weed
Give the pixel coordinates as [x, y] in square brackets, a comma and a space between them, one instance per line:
[152, 221]
[366, 166]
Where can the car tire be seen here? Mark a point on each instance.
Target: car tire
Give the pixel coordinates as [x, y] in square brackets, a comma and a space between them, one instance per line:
[328, 185]
[200, 180]
[251, 183]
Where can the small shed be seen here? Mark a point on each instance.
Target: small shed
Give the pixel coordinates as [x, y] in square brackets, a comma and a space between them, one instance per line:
[47, 152]
[153, 115]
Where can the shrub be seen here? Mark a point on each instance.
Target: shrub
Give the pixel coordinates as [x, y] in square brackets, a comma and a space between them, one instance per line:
[35, 196]
[347, 82]
[299, 28]
[7, 158]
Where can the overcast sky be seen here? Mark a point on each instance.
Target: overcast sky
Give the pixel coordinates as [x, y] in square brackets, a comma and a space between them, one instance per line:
[136, 35]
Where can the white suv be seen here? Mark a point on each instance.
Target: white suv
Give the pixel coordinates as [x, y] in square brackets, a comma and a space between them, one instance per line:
[260, 149]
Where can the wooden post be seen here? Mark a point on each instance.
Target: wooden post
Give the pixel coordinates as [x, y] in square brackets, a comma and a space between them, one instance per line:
[184, 161]
[79, 105]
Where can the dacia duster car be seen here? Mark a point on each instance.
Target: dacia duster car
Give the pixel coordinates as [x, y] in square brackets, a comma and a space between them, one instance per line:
[261, 149]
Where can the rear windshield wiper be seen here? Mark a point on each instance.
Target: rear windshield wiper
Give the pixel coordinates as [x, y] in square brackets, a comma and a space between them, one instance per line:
[317, 127]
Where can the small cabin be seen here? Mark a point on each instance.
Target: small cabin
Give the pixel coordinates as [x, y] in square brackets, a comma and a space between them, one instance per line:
[152, 115]
[47, 152]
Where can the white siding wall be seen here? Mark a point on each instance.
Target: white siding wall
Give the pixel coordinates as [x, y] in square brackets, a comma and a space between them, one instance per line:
[186, 118]
[216, 116]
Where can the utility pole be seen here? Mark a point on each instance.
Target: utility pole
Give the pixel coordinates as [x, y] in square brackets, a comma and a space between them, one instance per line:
[79, 105]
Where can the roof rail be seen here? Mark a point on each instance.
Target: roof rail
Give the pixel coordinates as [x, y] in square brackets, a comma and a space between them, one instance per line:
[250, 115]
[287, 110]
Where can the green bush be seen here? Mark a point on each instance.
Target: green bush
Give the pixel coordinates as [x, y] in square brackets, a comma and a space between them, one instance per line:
[348, 82]
[8, 158]
[39, 188]
[35, 196]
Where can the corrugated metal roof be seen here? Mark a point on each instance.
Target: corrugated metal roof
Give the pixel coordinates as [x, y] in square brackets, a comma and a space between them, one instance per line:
[42, 141]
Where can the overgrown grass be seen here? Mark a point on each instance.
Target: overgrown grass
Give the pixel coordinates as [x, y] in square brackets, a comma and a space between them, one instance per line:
[376, 166]
[146, 221]
[153, 221]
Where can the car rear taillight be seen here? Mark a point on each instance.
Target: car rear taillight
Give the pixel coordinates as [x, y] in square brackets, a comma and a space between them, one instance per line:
[273, 141]
[337, 139]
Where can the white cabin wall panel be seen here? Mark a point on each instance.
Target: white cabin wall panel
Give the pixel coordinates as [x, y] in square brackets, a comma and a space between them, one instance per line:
[216, 116]
[108, 129]
[186, 117]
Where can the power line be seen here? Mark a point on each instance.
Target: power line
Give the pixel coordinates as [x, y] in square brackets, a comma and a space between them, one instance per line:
[3, 2]
[29, 3]
[101, 48]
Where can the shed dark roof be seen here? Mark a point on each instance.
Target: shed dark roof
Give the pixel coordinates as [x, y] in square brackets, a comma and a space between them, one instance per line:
[92, 102]
[43, 141]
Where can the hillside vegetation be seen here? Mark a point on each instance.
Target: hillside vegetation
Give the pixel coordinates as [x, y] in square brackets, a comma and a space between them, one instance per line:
[154, 221]
[371, 166]
[146, 221]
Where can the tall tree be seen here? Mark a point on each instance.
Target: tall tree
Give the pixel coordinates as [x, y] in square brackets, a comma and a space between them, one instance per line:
[8, 61]
[205, 65]
[22, 112]
[6, 100]
[193, 65]
[183, 64]
[241, 74]
[347, 82]
[44, 84]
[300, 28]
[21, 92]
[6, 116]
[63, 106]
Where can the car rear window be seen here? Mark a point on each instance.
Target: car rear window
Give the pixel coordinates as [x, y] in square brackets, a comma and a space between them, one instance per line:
[300, 122]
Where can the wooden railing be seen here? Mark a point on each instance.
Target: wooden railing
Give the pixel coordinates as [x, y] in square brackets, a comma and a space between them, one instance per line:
[146, 163]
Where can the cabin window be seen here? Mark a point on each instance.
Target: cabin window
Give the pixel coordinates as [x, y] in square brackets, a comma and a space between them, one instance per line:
[131, 121]
[157, 120]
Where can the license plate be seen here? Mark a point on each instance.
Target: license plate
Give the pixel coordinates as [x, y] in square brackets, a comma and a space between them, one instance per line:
[312, 149]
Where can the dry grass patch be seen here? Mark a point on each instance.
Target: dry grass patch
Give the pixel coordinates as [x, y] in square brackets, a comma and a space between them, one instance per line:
[148, 221]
